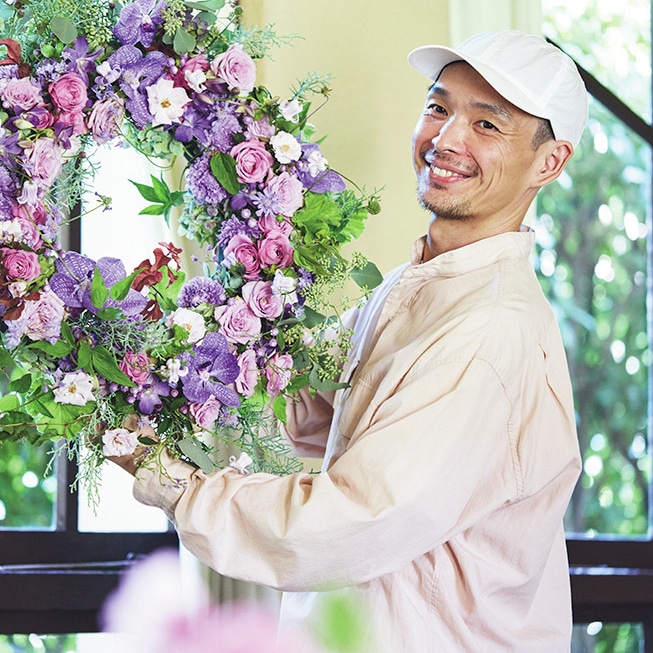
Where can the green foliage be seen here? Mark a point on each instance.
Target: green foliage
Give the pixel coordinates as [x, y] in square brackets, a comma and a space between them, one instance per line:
[593, 262]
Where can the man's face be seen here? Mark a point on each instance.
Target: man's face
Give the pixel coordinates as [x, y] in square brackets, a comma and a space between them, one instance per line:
[472, 150]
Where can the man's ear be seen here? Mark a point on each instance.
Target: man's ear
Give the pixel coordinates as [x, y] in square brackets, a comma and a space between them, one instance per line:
[555, 156]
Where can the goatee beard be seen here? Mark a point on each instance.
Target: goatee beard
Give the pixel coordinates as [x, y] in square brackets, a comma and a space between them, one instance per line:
[442, 211]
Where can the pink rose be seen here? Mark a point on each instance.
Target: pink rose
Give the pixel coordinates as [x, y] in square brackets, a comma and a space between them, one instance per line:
[194, 65]
[244, 251]
[288, 193]
[248, 377]
[31, 213]
[260, 129]
[20, 264]
[104, 121]
[69, 93]
[29, 234]
[236, 68]
[22, 93]
[275, 249]
[206, 414]
[260, 297]
[239, 323]
[40, 319]
[253, 161]
[74, 119]
[269, 224]
[136, 366]
[46, 160]
[278, 373]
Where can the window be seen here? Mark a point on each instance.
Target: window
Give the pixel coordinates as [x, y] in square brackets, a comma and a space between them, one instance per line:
[594, 259]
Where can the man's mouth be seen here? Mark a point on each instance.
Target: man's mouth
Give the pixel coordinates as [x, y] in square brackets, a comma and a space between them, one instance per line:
[441, 172]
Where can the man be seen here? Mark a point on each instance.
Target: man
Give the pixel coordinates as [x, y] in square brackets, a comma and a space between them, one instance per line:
[450, 459]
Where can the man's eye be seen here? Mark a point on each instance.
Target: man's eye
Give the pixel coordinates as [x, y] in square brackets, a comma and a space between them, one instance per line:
[435, 108]
[486, 124]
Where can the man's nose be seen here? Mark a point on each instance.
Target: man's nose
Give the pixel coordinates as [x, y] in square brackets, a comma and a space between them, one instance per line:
[451, 137]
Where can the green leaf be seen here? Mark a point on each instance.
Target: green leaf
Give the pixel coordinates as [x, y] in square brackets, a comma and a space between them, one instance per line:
[105, 364]
[194, 451]
[147, 192]
[109, 314]
[312, 318]
[161, 189]
[223, 168]
[120, 289]
[153, 209]
[183, 41]
[6, 359]
[20, 385]
[279, 408]
[84, 357]
[206, 5]
[9, 402]
[99, 290]
[57, 350]
[67, 333]
[324, 385]
[64, 29]
[367, 277]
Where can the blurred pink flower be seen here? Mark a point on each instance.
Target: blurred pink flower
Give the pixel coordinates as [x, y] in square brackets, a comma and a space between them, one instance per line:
[236, 68]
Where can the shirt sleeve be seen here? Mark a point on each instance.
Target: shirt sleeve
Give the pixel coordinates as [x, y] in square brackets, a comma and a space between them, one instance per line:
[425, 469]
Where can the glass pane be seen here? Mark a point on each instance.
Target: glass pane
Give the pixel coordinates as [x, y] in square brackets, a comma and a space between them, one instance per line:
[598, 637]
[592, 235]
[28, 488]
[611, 40]
[81, 643]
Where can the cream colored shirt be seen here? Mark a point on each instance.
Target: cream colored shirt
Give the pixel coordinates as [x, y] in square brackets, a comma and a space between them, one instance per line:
[449, 464]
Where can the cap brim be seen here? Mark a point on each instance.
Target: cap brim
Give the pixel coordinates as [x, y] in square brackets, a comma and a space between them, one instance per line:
[429, 60]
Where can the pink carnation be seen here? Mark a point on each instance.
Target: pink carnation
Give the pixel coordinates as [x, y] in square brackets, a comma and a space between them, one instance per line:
[261, 298]
[22, 93]
[253, 161]
[136, 366]
[69, 93]
[244, 251]
[238, 322]
[275, 250]
[236, 68]
[278, 373]
[20, 264]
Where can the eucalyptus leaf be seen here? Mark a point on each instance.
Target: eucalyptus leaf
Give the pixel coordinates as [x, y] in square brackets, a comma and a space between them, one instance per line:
[64, 29]
[312, 318]
[193, 450]
[324, 385]
[367, 277]
[183, 41]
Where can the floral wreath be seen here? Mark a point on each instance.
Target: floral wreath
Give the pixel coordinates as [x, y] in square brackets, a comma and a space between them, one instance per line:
[97, 357]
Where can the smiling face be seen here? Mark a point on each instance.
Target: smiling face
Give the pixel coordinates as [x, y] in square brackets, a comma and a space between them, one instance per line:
[473, 152]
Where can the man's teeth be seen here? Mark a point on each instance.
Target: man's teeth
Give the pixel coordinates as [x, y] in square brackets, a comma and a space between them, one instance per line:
[439, 172]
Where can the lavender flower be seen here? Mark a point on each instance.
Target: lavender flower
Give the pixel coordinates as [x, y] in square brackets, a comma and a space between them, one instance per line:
[201, 290]
[232, 227]
[224, 125]
[79, 58]
[74, 276]
[150, 398]
[210, 367]
[7, 192]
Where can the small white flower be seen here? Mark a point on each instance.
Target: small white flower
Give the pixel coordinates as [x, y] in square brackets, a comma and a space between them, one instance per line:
[166, 102]
[286, 147]
[195, 79]
[290, 110]
[119, 442]
[190, 320]
[317, 163]
[285, 286]
[75, 388]
[11, 231]
[176, 370]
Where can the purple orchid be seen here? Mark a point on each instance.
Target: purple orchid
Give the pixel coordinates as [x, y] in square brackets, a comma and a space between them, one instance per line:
[210, 367]
[9, 148]
[74, 276]
[139, 22]
[79, 58]
[318, 179]
[150, 398]
[195, 126]
[136, 72]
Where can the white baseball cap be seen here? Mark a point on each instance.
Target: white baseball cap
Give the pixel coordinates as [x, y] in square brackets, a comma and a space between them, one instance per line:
[527, 71]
